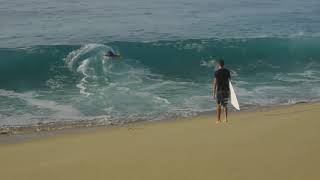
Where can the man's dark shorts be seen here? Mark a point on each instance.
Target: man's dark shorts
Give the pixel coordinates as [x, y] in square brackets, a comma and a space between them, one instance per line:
[223, 98]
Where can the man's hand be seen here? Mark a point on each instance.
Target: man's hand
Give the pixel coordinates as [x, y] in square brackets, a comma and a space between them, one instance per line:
[214, 88]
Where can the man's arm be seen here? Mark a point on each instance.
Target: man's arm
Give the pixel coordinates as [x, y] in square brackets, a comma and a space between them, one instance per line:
[214, 87]
[229, 78]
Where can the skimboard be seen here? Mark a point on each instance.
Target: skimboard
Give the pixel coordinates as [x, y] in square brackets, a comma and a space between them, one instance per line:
[233, 97]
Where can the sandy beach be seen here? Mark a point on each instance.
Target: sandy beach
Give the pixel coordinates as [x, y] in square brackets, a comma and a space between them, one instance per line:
[271, 143]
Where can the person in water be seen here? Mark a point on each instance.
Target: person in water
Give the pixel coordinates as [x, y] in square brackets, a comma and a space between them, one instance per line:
[221, 91]
[110, 54]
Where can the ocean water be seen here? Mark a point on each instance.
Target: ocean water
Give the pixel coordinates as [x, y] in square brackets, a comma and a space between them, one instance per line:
[52, 67]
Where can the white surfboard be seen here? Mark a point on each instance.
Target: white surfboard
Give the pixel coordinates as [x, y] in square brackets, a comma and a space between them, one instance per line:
[233, 97]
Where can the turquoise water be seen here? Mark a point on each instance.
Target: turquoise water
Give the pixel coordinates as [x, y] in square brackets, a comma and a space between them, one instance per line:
[52, 67]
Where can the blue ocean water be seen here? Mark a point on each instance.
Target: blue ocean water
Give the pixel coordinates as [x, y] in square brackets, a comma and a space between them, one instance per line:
[52, 67]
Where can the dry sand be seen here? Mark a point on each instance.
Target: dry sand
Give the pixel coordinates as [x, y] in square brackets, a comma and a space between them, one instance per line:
[277, 143]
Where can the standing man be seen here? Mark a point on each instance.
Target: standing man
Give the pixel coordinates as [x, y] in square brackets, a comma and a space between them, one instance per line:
[221, 91]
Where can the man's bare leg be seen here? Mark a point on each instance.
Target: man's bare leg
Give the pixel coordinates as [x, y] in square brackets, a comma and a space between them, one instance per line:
[225, 109]
[218, 114]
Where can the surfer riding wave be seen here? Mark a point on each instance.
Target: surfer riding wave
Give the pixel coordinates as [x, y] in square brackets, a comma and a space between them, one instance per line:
[111, 54]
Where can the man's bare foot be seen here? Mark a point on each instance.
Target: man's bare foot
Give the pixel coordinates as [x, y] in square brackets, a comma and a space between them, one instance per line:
[226, 121]
[218, 122]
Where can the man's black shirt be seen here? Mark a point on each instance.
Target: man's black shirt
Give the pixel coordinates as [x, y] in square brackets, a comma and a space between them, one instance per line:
[222, 77]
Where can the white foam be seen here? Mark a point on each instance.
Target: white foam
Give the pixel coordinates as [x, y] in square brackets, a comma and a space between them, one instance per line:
[76, 55]
[160, 100]
[209, 64]
[297, 34]
[310, 76]
[157, 85]
[83, 68]
[84, 61]
[123, 89]
[30, 98]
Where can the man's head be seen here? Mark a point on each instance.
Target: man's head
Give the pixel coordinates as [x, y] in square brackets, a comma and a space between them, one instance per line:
[221, 63]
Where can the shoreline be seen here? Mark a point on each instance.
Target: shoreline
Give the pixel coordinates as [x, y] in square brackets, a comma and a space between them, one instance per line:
[16, 134]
